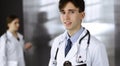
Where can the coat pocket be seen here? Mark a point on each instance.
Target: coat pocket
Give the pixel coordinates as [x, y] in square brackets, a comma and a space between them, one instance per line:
[82, 65]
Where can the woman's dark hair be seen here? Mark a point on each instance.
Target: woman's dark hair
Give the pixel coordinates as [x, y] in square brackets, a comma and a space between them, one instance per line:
[10, 18]
[77, 3]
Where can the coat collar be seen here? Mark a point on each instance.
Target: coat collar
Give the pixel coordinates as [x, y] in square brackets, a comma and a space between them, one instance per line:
[74, 48]
[10, 35]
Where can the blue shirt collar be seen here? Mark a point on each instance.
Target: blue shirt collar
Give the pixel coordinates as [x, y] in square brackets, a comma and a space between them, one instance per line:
[75, 37]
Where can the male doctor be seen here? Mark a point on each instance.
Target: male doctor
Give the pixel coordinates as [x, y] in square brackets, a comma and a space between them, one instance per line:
[76, 47]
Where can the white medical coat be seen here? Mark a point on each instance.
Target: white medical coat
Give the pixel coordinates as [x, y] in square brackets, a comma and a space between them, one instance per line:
[11, 50]
[96, 54]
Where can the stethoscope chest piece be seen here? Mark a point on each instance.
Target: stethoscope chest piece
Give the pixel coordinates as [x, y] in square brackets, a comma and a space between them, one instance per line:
[78, 59]
[67, 63]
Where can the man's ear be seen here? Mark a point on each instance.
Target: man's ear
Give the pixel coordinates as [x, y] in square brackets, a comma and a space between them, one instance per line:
[82, 14]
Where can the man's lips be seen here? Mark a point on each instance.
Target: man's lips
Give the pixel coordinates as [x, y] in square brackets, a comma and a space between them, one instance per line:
[67, 23]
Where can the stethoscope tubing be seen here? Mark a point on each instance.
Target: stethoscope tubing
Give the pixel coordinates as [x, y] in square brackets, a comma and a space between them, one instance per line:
[88, 42]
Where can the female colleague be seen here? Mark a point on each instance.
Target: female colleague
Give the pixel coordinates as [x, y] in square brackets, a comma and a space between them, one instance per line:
[12, 44]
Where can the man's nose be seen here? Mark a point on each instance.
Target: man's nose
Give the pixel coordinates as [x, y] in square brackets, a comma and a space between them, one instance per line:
[67, 16]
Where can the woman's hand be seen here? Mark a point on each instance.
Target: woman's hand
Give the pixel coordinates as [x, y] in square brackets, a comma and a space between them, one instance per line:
[28, 45]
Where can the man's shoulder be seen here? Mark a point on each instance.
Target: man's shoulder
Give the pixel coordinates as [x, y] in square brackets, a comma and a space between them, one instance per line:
[59, 37]
[94, 39]
[94, 42]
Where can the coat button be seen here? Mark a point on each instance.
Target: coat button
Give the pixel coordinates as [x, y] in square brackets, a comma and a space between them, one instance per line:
[79, 56]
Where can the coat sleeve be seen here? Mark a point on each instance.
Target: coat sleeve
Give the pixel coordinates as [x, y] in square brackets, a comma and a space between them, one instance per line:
[99, 57]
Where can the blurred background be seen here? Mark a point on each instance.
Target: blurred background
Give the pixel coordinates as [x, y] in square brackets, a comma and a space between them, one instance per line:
[40, 24]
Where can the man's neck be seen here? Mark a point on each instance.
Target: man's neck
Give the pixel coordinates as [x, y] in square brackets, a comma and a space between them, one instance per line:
[72, 32]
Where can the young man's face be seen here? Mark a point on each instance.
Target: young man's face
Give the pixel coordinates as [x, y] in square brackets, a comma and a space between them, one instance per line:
[71, 17]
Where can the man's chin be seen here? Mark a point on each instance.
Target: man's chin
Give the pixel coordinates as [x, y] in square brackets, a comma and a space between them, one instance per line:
[68, 28]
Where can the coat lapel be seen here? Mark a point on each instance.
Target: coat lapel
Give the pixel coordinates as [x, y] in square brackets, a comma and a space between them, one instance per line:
[73, 51]
[61, 54]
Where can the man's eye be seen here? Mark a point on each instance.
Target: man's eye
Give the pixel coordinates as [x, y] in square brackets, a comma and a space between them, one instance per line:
[72, 12]
[62, 12]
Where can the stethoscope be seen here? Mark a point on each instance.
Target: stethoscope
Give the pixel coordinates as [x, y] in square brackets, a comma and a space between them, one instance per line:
[68, 63]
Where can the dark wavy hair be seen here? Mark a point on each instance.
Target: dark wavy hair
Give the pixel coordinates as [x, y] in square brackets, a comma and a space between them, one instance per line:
[77, 3]
[10, 18]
